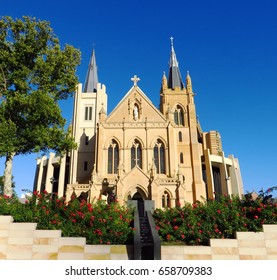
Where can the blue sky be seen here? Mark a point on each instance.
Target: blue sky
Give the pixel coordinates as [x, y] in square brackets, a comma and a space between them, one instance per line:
[229, 48]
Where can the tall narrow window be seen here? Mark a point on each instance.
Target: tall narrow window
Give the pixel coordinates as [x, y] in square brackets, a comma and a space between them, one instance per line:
[180, 136]
[136, 155]
[88, 113]
[181, 158]
[179, 116]
[113, 157]
[159, 157]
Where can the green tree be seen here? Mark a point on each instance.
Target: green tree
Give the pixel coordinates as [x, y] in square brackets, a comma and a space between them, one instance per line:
[35, 73]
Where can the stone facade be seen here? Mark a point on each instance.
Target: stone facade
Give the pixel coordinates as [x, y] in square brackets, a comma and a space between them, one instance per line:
[139, 151]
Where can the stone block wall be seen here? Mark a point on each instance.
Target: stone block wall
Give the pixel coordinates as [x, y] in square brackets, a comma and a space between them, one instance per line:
[22, 241]
[246, 246]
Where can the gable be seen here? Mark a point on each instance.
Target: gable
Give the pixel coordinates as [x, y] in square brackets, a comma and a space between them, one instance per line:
[135, 107]
[136, 175]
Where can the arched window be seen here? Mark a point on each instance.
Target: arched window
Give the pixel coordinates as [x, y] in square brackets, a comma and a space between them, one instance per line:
[179, 116]
[136, 154]
[181, 158]
[180, 136]
[159, 157]
[165, 199]
[113, 157]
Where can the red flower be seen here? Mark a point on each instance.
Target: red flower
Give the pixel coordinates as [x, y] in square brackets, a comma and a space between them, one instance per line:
[216, 230]
[168, 236]
[183, 236]
[176, 227]
[200, 231]
[259, 209]
[218, 211]
[256, 217]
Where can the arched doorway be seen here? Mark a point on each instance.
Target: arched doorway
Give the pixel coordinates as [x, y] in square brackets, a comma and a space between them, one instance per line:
[137, 196]
[140, 203]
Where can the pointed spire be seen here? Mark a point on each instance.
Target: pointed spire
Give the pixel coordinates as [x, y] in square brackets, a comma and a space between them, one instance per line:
[164, 81]
[188, 83]
[102, 113]
[102, 110]
[174, 79]
[92, 77]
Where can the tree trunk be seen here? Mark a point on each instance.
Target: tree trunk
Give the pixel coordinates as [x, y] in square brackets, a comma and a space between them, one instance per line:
[8, 175]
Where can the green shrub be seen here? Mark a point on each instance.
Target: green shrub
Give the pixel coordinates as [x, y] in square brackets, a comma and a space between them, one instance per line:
[197, 223]
[98, 222]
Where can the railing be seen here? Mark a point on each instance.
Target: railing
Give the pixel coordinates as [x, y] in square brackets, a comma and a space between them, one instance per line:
[155, 236]
[138, 246]
[137, 243]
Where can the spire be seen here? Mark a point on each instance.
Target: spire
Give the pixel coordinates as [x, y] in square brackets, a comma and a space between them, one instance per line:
[164, 82]
[188, 82]
[92, 77]
[174, 79]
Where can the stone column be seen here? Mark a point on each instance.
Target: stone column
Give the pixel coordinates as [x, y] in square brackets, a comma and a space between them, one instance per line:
[209, 173]
[61, 177]
[49, 174]
[40, 172]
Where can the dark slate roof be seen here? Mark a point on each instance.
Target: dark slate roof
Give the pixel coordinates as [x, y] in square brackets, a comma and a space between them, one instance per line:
[174, 77]
[92, 77]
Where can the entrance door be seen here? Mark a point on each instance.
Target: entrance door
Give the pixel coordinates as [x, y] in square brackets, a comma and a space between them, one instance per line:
[137, 196]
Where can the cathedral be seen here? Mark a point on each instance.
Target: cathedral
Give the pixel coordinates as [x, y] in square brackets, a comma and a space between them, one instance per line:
[138, 151]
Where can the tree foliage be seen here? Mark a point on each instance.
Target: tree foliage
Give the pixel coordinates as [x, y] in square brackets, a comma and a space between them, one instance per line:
[35, 73]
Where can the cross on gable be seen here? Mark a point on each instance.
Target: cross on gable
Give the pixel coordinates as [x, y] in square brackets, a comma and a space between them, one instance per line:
[135, 79]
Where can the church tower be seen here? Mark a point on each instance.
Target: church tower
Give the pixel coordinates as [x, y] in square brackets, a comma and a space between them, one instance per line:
[138, 151]
[87, 105]
[177, 104]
